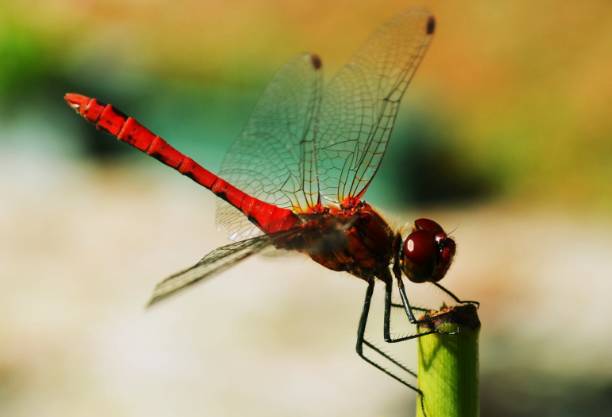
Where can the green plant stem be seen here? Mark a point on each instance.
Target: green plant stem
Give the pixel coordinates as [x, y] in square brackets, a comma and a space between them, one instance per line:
[448, 363]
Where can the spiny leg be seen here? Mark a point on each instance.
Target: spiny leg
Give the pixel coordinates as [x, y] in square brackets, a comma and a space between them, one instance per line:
[414, 308]
[387, 329]
[387, 323]
[454, 297]
[361, 341]
[400, 285]
[389, 357]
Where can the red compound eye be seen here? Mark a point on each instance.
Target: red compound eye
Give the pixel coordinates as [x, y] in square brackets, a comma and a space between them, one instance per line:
[420, 254]
[427, 252]
[420, 247]
[429, 225]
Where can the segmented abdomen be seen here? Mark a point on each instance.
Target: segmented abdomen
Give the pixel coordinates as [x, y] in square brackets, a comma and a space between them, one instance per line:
[268, 217]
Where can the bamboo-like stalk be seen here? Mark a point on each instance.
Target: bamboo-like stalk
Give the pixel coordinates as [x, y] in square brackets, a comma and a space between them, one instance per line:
[448, 363]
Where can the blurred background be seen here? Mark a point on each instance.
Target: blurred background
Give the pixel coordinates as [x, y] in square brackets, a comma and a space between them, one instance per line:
[505, 137]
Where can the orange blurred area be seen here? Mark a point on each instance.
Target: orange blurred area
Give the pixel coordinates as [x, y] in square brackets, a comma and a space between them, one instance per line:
[503, 137]
[522, 87]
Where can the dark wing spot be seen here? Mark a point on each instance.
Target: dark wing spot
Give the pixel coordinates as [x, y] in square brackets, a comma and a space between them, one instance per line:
[316, 61]
[431, 25]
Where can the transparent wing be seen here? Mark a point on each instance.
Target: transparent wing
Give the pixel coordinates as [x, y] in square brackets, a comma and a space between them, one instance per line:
[214, 262]
[273, 159]
[361, 102]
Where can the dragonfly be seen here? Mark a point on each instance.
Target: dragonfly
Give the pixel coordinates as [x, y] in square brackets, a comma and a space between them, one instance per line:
[295, 177]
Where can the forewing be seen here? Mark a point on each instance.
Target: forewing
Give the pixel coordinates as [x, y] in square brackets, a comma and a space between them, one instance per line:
[360, 104]
[214, 262]
[273, 158]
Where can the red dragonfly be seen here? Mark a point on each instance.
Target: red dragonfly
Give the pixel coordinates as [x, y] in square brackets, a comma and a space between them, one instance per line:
[295, 177]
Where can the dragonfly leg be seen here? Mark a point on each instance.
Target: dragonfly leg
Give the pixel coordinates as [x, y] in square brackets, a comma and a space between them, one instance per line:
[361, 342]
[402, 290]
[414, 308]
[454, 297]
[387, 323]
[400, 284]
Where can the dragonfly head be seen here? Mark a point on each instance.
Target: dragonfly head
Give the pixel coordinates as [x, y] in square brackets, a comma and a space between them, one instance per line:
[427, 252]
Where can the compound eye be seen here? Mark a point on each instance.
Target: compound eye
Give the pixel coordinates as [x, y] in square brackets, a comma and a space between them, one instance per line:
[419, 255]
[420, 246]
[429, 225]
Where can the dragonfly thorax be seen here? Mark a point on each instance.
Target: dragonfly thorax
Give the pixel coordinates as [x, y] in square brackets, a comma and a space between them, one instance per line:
[356, 240]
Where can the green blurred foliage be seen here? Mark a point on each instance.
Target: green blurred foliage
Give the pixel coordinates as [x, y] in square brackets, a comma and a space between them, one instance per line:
[26, 61]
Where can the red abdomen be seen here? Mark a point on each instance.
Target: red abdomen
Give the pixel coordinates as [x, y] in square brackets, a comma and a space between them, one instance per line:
[268, 217]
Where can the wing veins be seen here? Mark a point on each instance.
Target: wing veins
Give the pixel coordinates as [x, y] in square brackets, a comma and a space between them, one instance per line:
[211, 264]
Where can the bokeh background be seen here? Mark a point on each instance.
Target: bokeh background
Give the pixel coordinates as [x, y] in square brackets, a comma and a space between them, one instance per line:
[505, 137]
